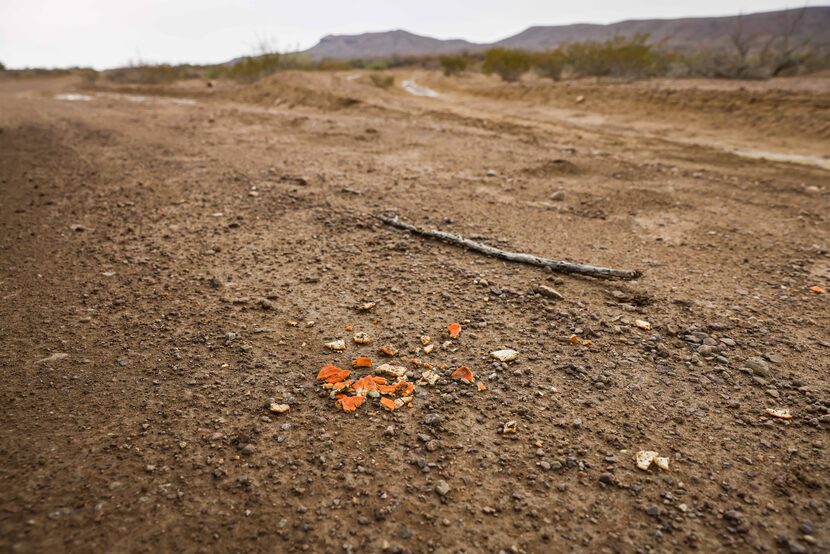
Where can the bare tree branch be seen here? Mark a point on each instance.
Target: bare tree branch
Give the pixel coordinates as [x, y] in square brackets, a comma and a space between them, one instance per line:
[556, 265]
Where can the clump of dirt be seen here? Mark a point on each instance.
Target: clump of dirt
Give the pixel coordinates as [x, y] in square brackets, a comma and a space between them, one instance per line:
[294, 89]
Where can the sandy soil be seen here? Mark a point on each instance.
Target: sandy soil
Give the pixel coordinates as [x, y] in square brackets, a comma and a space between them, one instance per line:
[174, 259]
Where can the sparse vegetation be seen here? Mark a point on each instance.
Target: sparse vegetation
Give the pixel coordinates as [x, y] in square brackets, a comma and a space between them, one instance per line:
[334, 65]
[749, 56]
[88, 75]
[619, 57]
[251, 68]
[382, 81]
[149, 74]
[508, 64]
[550, 64]
[453, 64]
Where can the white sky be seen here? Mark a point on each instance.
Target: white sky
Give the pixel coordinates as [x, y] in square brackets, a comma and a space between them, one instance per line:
[109, 33]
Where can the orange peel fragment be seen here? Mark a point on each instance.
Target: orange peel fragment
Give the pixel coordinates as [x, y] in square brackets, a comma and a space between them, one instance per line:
[362, 362]
[333, 374]
[405, 388]
[388, 404]
[341, 385]
[365, 385]
[464, 374]
[389, 350]
[454, 329]
[350, 403]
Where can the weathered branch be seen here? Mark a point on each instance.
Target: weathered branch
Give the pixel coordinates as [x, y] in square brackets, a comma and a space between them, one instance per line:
[555, 265]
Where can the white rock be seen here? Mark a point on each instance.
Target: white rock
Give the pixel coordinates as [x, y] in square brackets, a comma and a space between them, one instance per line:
[392, 370]
[506, 355]
[402, 401]
[428, 377]
[780, 413]
[339, 344]
[644, 459]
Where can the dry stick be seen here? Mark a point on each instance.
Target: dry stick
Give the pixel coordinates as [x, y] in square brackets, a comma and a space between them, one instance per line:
[556, 265]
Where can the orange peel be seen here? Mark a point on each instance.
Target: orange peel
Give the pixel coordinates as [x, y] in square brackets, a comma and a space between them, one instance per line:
[365, 385]
[405, 388]
[464, 374]
[332, 374]
[454, 330]
[350, 403]
[387, 389]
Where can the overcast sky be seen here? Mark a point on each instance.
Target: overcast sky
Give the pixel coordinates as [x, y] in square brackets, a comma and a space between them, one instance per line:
[110, 33]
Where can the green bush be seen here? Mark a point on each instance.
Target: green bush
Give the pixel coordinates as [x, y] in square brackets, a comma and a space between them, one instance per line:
[550, 64]
[382, 81]
[251, 68]
[377, 65]
[333, 65]
[452, 65]
[619, 57]
[508, 64]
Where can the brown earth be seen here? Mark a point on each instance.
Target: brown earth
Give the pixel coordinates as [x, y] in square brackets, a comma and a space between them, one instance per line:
[190, 250]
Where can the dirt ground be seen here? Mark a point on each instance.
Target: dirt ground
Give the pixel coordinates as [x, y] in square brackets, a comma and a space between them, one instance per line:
[174, 258]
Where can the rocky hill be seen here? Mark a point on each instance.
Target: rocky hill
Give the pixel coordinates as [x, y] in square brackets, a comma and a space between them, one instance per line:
[799, 25]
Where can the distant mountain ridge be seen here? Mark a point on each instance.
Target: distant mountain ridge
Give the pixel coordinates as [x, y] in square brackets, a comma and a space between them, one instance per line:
[399, 42]
[713, 33]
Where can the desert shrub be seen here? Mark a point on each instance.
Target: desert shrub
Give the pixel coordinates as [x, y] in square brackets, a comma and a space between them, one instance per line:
[377, 65]
[333, 65]
[452, 65]
[296, 61]
[508, 64]
[817, 61]
[382, 81]
[251, 68]
[549, 64]
[707, 63]
[152, 74]
[398, 60]
[2, 67]
[619, 57]
[88, 75]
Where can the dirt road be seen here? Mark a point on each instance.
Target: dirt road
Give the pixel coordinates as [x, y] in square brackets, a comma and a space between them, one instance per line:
[172, 260]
